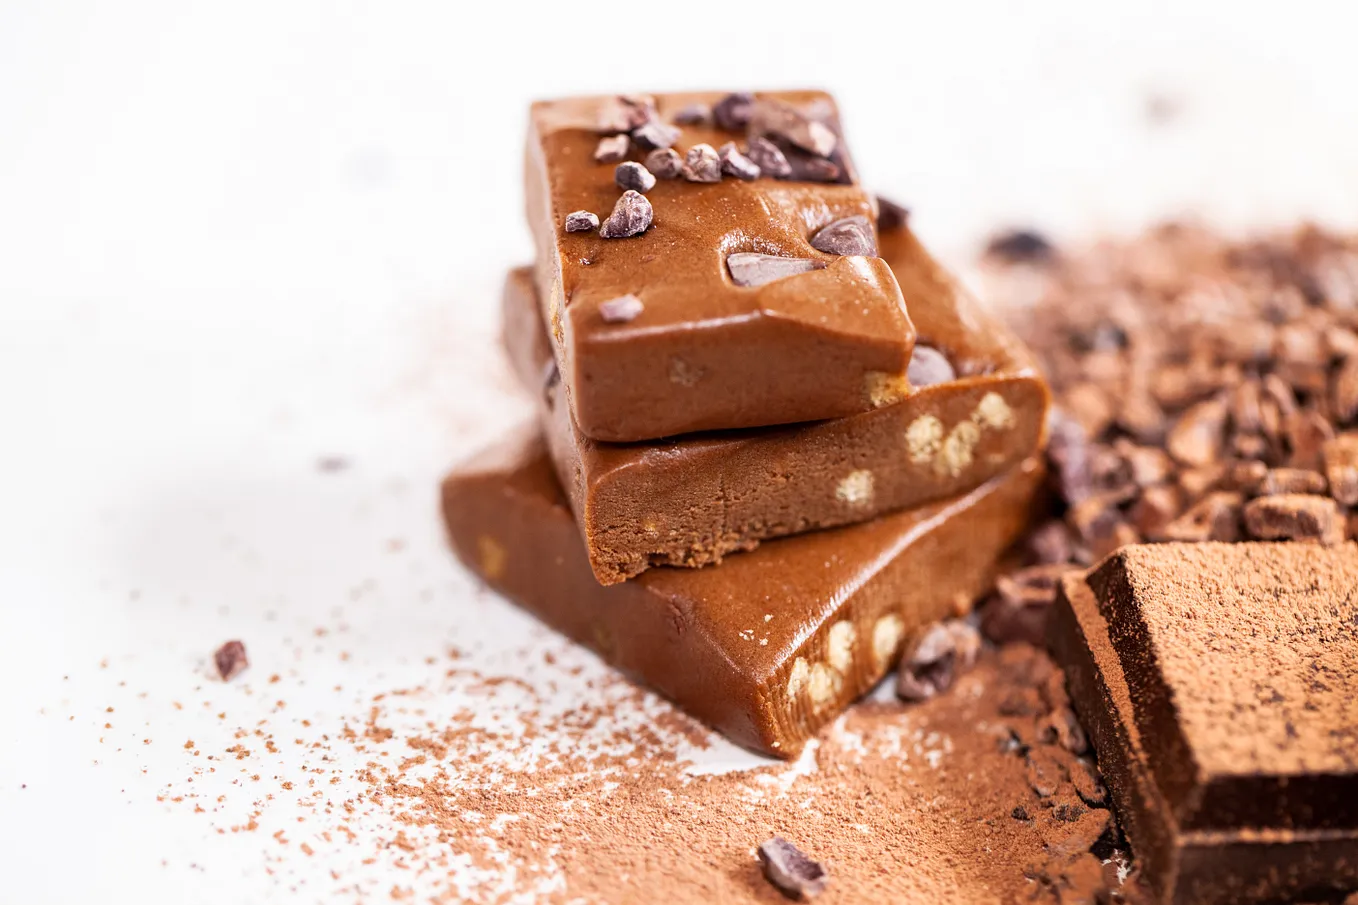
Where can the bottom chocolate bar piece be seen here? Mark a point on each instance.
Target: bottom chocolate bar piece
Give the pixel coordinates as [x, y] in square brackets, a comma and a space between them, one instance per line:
[1302, 852]
[765, 648]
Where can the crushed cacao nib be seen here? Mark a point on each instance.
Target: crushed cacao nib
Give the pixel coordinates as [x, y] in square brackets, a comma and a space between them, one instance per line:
[732, 112]
[611, 149]
[665, 163]
[632, 216]
[702, 164]
[790, 870]
[626, 112]
[693, 115]
[734, 163]
[849, 236]
[768, 157]
[621, 310]
[754, 269]
[581, 222]
[230, 660]
[655, 135]
[632, 175]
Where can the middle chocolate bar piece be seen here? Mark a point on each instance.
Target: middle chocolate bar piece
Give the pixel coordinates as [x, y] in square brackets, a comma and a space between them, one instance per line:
[737, 291]
[689, 501]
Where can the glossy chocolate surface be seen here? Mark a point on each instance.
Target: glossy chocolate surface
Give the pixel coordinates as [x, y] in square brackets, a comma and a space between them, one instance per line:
[691, 500]
[705, 354]
[769, 646]
[1205, 866]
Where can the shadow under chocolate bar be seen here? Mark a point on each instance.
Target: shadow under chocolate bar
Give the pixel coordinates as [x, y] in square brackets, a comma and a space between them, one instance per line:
[1268, 813]
[706, 353]
[765, 648]
[689, 501]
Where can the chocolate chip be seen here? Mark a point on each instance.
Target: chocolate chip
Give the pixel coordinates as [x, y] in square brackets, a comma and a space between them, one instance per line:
[620, 310]
[943, 652]
[231, 660]
[634, 176]
[928, 366]
[848, 236]
[732, 112]
[655, 135]
[773, 117]
[581, 221]
[626, 112]
[891, 215]
[767, 156]
[611, 149]
[734, 163]
[693, 115]
[754, 269]
[631, 216]
[1021, 246]
[702, 164]
[665, 163]
[786, 867]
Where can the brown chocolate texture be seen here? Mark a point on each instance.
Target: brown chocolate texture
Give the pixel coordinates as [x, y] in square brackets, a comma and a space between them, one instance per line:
[690, 501]
[706, 354]
[1266, 835]
[767, 647]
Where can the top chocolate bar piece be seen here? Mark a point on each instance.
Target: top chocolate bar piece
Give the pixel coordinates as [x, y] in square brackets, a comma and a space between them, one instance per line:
[733, 283]
[1241, 662]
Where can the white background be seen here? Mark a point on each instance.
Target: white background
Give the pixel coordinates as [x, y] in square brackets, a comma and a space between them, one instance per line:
[238, 237]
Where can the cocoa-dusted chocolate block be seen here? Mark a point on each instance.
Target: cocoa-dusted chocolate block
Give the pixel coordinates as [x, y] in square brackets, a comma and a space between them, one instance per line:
[691, 500]
[765, 648]
[1220, 685]
[732, 280]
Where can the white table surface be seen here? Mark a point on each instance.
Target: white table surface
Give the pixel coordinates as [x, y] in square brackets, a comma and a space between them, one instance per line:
[237, 238]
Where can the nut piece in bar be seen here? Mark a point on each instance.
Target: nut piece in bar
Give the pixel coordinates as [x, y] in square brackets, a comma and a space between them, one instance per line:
[766, 648]
[691, 500]
[1219, 683]
[715, 355]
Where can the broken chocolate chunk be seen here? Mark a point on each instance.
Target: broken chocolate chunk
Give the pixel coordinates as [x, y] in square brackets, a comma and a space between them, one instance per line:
[611, 149]
[849, 236]
[789, 869]
[581, 221]
[732, 112]
[774, 117]
[231, 660]
[631, 216]
[620, 310]
[767, 156]
[943, 652]
[655, 135]
[1020, 246]
[734, 163]
[693, 115]
[702, 164]
[891, 215]
[1295, 516]
[634, 176]
[928, 366]
[665, 163]
[809, 168]
[754, 269]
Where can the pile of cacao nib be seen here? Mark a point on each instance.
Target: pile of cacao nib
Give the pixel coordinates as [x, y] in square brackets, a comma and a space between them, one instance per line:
[1204, 389]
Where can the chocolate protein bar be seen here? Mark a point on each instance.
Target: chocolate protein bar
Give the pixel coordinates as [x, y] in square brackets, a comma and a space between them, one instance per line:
[978, 408]
[1257, 647]
[765, 648]
[708, 262]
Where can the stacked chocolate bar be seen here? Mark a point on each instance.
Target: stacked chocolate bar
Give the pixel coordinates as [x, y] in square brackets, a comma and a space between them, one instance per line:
[733, 346]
